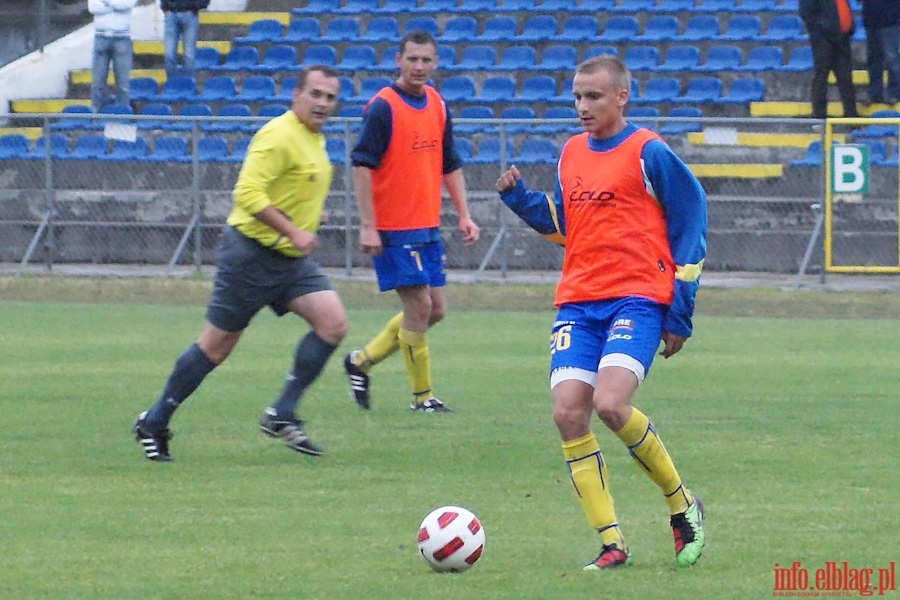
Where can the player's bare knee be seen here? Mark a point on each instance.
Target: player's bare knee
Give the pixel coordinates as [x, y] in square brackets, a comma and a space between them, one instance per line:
[613, 414]
[437, 313]
[333, 330]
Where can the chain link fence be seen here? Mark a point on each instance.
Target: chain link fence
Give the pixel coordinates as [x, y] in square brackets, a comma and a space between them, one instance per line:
[155, 191]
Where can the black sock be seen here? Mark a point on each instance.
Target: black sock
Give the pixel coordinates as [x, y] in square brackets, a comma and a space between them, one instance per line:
[189, 371]
[309, 360]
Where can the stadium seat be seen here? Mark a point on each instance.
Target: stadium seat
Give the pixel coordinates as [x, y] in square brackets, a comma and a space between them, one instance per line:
[143, 88]
[674, 6]
[658, 90]
[877, 151]
[536, 151]
[643, 112]
[678, 128]
[207, 58]
[446, 55]
[381, 29]
[680, 59]
[357, 7]
[592, 51]
[387, 62]
[516, 6]
[474, 112]
[700, 90]
[111, 111]
[518, 113]
[489, 151]
[357, 58]
[261, 31]
[799, 60]
[155, 110]
[13, 145]
[457, 88]
[583, 28]
[459, 29]
[318, 7]
[179, 88]
[341, 29]
[436, 6]
[498, 29]
[784, 28]
[226, 126]
[239, 151]
[463, 147]
[717, 6]
[756, 6]
[721, 58]
[88, 147]
[301, 31]
[336, 148]
[240, 58]
[787, 6]
[278, 58]
[127, 151]
[212, 148]
[517, 58]
[69, 124]
[428, 24]
[741, 28]
[476, 58]
[699, 28]
[59, 147]
[556, 6]
[877, 131]
[617, 29]
[190, 110]
[595, 7]
[255, 88]
[892, 161]
[396, 7]
[762, 58]
[369, 88]
[538, 28]
[217, 89]
[475, 6]
[348, 111]
[170, 148]
[269, 112]
[744, 91]
[558, 112]
[557, 58]
[641, 58]
[499, 88]
[633, 6]
[346, 89]
[286, 90]
[564, 96]
[320, 54]
[660, 29]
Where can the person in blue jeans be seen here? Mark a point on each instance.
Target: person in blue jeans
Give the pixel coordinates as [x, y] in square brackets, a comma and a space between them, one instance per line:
[881, 19]
[112, 45]
[181, 21]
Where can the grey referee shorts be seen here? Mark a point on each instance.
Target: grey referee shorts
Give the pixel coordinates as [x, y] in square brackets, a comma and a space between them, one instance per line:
[251, 277]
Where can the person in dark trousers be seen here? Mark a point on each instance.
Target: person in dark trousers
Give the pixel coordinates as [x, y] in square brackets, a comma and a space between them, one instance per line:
[182, 20]
[881, 18]
[830, 27]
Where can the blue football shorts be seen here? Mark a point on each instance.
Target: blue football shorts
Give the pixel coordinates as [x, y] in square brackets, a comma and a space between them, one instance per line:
[587, 336]
[411, 264]
[250, 277]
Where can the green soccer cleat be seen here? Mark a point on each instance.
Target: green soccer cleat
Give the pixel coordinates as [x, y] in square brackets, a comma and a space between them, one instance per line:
[687, 528]
[610, 557]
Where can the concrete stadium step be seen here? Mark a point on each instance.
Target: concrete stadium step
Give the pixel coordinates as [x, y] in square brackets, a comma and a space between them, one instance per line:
[241, 18]
[83, 77]
[804, 109]
[45, 105]
[155, 48]
[32, 133]
[768, 140]
[732, 171]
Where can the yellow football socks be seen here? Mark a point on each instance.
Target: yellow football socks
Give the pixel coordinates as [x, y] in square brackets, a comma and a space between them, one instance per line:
[414, 347]
[382, 345]
[648, 451]
[591, 483]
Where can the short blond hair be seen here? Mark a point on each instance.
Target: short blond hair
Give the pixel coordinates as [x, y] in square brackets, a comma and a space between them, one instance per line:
[619, 73]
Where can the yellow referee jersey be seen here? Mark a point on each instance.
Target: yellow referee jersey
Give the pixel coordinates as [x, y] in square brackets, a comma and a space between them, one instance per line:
[286, 167]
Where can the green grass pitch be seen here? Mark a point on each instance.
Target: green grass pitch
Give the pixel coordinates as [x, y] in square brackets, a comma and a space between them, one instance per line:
[787, 428]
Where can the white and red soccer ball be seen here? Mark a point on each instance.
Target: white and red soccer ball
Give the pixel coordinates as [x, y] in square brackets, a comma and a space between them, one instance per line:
[451, 538]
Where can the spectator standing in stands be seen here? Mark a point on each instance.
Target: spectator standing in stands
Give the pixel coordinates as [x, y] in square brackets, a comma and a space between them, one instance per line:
[881, 18]
[182, 21]
[112, 44]
[830, 27]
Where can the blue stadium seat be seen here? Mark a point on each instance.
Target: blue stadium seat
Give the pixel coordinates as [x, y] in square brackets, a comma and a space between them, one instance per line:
[784, 28]
[459, 29]
[757, 6]
[476, 58]
[489, 151]
[641, 58]
[700, 90]
[223, 126]
[518, 113]
[538, 29]
[446, 55]
[217, 89]
[154, 110]
[320, 54]
[346, 89]
[536, 151]
[680, 58]
[239, 151]
[674, 6]
[812, 157]
[788, 6]
[190, 110]
[463, 147]
[358, 7]
[558, 58]
[762, 58]
[717, 6]
[558, 112]
[396, 7]
[302, 30]
[428, 24]
[564, 96]
[699, 28]
[127, 151]
[336, 148]
[741, 28]
[474, 112]
[341, 29]
[595, 7]
[593, 51]
[498, 88]
[318, 7]
[436, 6]
[170, 148]
[619, 29]
[517, 58]
[240, 58]
[877, 151]
[721, 58]
[179, 88]
[799, 60]
[658, 90]
[583, 28]
[369, 88]
[269, 112]
[278, 58]
[347, 111]
[381, 29]
[744, 91]
[59, 146]
[475, 6]
[892, 161]
[143, 88]
[111, 111]
[457, 88]
[357, 58]
[387, 62]
[678, 128]
[212, 148]
[660, 29]
[498, 29]
[13, 146]
[261, 31]
[643, 112]
[516, 6]
[207, 58]
[69, 124]
[255, 88]
[286, 90]
[633, 6]
[877, 131]
[88, 147]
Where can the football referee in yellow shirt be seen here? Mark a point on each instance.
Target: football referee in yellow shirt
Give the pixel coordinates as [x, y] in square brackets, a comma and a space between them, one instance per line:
[264, 260]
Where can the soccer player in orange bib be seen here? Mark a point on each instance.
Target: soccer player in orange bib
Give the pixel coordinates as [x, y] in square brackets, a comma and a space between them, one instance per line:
[633, 221]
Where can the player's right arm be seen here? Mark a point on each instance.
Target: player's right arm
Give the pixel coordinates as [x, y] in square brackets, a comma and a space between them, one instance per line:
[374, 138]
[369, 239]
[539, 211]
